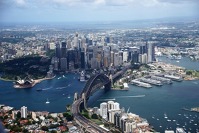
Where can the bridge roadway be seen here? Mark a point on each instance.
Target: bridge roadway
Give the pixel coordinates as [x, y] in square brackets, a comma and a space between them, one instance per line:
[84, 122]
[81, 120]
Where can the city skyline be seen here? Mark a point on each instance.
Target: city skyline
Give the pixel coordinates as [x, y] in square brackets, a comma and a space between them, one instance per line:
[95, 10]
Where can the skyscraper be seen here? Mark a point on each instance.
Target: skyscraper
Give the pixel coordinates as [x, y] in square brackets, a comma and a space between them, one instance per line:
[103, 110]
[58, 51]
[63, 49]
[151, 52]
[82, 60]
[24, 112]
[63, 64]
[143, 49]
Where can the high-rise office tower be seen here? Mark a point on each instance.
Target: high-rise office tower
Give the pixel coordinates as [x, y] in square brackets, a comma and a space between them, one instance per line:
[63, 50]
[107, 39]
[76, 41]
[70, 59]
[58, 50]
[83, 60]
[63, 64]
[24, 112]
[150, 53]
[143, 49]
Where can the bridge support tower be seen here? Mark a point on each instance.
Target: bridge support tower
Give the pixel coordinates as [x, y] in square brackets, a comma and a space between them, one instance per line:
[75, 96]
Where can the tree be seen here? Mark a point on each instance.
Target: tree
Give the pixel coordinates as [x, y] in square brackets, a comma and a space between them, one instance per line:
[189, 72]
[5, 117]
[68, 116]
[44, 128]
[18, 114]
[94, 116]
[53, 131]
[25, 130]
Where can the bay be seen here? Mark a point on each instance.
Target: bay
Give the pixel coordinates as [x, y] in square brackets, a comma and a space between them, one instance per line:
[59, 91]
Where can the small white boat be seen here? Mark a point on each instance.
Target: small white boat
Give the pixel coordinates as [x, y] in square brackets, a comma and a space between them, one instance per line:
[68, 96]
[165, 116]
[47, 102]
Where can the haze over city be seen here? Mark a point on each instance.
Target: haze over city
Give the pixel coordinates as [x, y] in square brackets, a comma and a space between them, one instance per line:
[95, 10]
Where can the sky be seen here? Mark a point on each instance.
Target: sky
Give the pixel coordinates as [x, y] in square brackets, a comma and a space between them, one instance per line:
[95, 10]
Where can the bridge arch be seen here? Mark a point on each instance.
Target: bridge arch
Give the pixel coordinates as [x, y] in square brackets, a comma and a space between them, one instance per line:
[95, 83]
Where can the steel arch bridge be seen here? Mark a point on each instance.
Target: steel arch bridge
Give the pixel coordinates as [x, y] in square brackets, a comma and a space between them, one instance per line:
[95, 83]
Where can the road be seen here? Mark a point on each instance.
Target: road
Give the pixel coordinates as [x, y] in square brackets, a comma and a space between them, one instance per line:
[84, 122]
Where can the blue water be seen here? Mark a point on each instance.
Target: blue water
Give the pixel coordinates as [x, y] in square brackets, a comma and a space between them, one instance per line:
[184, 62]
[152, 104]
[56, 91]
[156, 102]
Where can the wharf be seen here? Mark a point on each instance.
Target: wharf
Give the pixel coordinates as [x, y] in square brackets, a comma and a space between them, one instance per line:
[162, 79]
[172, 77]
[151, 81]
[139, 83]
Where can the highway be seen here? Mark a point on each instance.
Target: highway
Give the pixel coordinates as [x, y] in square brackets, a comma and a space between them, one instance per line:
[84, 122]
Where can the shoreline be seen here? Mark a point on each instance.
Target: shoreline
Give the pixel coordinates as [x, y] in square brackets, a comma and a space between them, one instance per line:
[119, 89]
[36, 81]
[7, 80]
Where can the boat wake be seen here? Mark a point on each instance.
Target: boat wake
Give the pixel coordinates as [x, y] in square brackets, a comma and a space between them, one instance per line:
[60, 88]
[130, 96]
[46, 89]
[111, 99]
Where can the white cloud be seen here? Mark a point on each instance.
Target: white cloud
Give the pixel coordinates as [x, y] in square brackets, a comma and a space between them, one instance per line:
[20, 2]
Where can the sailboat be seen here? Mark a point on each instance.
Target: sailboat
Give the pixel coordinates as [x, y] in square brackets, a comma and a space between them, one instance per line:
[69, 96]
[47, 102]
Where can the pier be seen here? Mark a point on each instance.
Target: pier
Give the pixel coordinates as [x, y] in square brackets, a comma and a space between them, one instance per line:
[139, 83]
[151, 81]
[172, 77]
[162, 79]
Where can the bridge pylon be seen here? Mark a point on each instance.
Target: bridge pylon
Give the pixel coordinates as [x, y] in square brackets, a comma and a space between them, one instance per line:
[75, 96]
[84, 98]
[111, 79]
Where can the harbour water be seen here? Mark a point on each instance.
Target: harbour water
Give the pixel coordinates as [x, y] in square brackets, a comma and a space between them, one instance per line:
[59, 91]
[160, 105]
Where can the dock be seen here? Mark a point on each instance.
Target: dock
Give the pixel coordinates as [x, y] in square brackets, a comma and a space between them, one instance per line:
[172, 77]
[141, 84]
[162, 79]
[151, 81]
